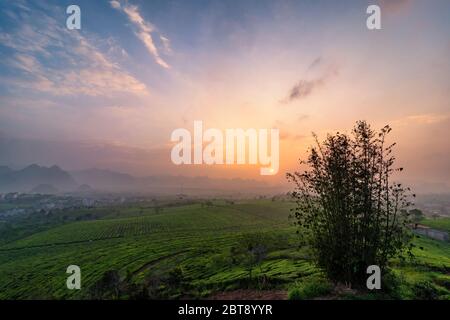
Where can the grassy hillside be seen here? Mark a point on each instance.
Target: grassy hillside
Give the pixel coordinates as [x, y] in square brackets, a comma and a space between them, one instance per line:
[185, 251]
[439, 223]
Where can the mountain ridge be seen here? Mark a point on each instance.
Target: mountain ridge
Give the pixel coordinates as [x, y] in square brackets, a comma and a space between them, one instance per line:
[34, 176]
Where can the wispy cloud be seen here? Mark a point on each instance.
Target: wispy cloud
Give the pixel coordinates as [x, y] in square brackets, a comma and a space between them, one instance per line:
[422, 119]
[292, 137]
[144, 30]
[315, 63]
[305, 87]
[51, 59]
[115, 4]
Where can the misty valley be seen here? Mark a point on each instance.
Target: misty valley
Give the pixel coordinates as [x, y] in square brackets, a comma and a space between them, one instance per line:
[209, 152]
[210, 244]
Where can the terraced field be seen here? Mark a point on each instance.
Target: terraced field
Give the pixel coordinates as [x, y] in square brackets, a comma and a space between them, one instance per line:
[126, 244]
[196, 239]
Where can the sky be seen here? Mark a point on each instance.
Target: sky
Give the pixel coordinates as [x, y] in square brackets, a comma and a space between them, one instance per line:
[110, 94]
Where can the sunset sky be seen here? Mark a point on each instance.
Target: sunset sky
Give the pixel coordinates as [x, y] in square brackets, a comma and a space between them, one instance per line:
[137, 70]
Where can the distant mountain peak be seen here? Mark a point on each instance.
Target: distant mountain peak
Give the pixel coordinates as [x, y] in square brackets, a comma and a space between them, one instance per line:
[32, 166]
[36, 175]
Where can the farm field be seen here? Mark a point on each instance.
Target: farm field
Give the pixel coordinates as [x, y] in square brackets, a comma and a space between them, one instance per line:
[190, 251]
[440, 223]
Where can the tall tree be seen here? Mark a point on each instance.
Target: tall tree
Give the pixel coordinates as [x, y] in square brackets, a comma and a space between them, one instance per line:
[349, 211]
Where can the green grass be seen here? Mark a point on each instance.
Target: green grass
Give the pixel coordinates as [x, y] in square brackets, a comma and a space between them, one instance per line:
[309, 288]
[438, 223]
[38, 262]
[431, 252]
[197, 239]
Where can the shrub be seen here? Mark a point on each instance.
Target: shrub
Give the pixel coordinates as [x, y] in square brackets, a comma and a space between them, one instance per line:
[394, 285]
[311, 288]
[425, 290]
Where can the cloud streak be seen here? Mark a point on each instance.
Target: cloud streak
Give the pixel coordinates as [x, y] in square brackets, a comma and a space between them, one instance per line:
[423, 119]
[49, 58]
[305, 87]
[143, 30]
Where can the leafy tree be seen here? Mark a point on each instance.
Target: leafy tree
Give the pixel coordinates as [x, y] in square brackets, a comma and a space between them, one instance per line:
[347, 208]
[416, 215]
[252, 250]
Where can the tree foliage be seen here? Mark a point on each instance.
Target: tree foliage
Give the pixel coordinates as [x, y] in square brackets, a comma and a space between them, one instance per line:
[349, 211]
